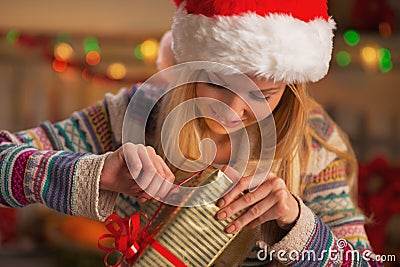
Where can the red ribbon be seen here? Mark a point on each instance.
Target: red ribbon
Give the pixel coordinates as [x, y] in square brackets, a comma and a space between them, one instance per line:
[128, 233]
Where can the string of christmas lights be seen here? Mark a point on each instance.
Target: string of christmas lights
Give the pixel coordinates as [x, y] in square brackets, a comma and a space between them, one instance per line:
[372, 56]
[62, 52]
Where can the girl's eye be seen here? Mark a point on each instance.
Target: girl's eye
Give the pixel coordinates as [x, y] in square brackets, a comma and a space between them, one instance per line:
[260, 97]
[214, 85]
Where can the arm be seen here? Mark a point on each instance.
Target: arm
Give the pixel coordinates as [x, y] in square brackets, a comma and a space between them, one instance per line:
[60, 164]
[328, 223]
[328, 229]
[51, 164]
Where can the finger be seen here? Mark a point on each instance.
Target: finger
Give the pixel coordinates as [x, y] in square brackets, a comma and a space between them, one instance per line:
[132, 188]
[165, 189]
[174, 190]
[243, 185]
[257, 212]
[168, 186]
[155, 160]
[148, 170]
[145, 179]
[244, 201]
[153, 167]
[234, 192]
[132, 159]
[155, 185]
[134, 191]
[234, 176]
[143, 197]
[144, 157]
[168, 173]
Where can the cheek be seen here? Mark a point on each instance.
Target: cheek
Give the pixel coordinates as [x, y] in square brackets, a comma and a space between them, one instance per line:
[273, 103]
[260, 111]
[202, 91]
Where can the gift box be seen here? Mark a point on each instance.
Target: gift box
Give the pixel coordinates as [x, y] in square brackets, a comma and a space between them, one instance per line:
[191, 234]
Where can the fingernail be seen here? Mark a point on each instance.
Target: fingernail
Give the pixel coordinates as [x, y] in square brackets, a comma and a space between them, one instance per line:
[221, 215]
[141, 200]
[230, 229]
[220, 203]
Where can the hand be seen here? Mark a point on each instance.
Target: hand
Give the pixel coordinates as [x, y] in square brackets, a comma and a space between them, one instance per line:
[270, 201]
[150, 177]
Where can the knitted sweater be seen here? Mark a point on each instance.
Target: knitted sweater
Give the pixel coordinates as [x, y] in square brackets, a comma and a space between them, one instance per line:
[60, 164]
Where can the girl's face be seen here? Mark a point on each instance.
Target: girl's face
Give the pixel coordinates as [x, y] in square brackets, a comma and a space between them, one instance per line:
[228, 110]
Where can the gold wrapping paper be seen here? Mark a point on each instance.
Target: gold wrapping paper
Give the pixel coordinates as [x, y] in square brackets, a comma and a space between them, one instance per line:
[192, 234]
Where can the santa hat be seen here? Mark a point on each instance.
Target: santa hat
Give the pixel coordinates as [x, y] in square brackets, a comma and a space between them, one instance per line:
[284, 40]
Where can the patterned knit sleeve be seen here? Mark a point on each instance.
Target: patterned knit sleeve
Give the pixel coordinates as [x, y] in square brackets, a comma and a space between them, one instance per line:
[60, 164]
[329, 231]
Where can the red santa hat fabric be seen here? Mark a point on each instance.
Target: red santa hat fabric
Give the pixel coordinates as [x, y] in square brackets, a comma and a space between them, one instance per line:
[284, 40]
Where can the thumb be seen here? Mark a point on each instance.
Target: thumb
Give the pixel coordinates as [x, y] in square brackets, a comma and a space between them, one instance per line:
[231, 173]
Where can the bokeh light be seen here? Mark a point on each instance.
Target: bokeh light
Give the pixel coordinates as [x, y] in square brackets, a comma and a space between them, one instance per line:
[385, 60]
[149, 49]
[369, 55]
[385, 29]
[343, 58]
[63, 51]
[351, 37]
[386, 66]
[90, 43]
[116, 71]
[12, 36]
[93, 58]
[59, 65]
[138, 53]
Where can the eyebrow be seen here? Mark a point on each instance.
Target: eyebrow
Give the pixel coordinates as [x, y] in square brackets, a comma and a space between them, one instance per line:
[221, 81]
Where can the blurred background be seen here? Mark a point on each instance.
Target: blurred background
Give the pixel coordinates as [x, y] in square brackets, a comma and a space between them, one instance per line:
[57, 57]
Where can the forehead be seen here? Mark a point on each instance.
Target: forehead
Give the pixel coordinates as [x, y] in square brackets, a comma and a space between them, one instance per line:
[238, 81]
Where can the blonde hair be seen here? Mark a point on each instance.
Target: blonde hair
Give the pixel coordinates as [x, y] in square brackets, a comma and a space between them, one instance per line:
[294, 136]
[186, 138]
[293, 133]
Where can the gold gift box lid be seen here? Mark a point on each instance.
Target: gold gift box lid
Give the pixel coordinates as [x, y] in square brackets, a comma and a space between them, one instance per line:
[192, 234]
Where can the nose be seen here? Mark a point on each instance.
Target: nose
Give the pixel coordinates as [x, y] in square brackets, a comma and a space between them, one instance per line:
[237, 104]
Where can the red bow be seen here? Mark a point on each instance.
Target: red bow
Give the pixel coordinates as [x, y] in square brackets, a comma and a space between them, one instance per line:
[128, 233]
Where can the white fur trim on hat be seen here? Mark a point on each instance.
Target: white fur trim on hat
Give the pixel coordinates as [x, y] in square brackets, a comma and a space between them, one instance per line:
[277, 46]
